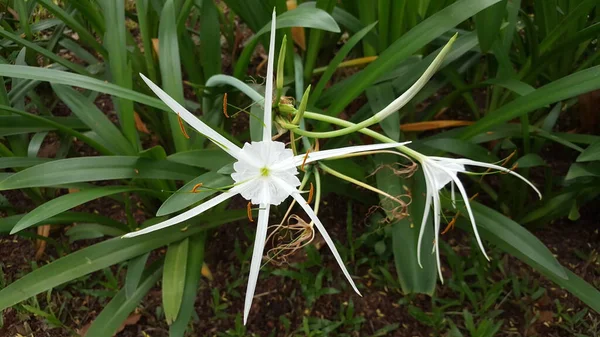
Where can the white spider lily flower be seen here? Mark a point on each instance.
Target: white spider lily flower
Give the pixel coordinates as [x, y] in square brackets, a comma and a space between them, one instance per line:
[440, 171]
[265, 174]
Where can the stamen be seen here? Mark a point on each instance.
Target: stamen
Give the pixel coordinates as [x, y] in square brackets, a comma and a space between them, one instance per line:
[450, 224]
[311, 193]
[249, 209]
[225, 105]
[182, 127]
[195, 188]
[304, 161]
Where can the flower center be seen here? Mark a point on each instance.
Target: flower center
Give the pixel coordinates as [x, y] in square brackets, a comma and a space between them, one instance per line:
[264, 172]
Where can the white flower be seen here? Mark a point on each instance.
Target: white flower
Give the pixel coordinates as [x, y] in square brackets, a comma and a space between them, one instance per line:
[265, 174]
[440, 171]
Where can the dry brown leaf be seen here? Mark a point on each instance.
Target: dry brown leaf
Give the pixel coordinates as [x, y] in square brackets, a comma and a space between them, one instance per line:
[298, 34]
[131, 320]
[139, 124]
[40, 245]
[432, 125]
[155, 46]
[206, 272]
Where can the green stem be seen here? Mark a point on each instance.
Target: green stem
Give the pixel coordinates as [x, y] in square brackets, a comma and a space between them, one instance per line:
[356, 182]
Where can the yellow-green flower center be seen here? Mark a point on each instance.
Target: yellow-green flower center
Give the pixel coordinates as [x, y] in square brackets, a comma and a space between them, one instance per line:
[264, 172]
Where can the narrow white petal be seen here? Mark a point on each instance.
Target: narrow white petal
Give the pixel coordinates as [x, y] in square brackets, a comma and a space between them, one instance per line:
[437, 209]
[192, 120]
[257, 253]
[452, 195]
[465, 197]
[311, 214]
[470, 162]
[333, 153]
[267, 118]
[430, 193]
[185, 215]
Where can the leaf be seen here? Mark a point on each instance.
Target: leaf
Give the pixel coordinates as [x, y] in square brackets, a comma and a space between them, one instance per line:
[379, 96]
[530, 160]
[86, 82]
[566, 87]
[65, 203]
[335, 62]
[105, 254]
[408, 44]
[135, 269]
[192, 277]
[119, 64]
[303, 16]
[209, 159]
[87, 231]
[19, 162]
[7, 223]
[184, 197]
[95, 119]
[115, 315]
[541, 260]
[583, 170]
[591, 153]
[73, 170]
[42, 51]
[173, 282]
[488, 23]
[170, 68]
[509, 233]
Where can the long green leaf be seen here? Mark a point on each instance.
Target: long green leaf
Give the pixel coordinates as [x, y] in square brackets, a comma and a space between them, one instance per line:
[97, 168]
[184, 197]
[532, 252]
[65, 203]
[192, 277]
[488, 23]
[51, 56]
[408, 44]
[174, 278]
[566, 87]
[105, 254]
[339, 57]
[170, 68]
[7, 223]
[135, 269]
[119, 308]
[120, 67]
[76, 80]
[95, 119]
[209, 159]
[510, 233]
[85, 36]
[303, 16]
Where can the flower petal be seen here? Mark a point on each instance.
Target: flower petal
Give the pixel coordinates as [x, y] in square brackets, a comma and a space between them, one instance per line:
[311, 214]
[192, 120]
[470, 162]
[436, 225]
[430, 193]
[465, 197]
[326, 154]
[267, 118]
[185, 215]
[257, 254]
